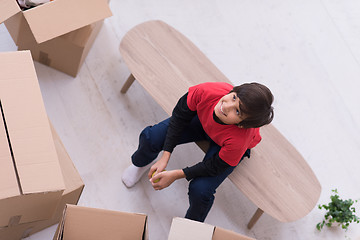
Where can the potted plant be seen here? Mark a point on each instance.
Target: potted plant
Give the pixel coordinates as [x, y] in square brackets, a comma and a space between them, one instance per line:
[339, 212]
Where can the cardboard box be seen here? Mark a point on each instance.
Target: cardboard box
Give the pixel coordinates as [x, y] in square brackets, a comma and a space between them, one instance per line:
[182, 228]
[73, 189]
[31, 182]
[83, 223]
[59, 33]
[67, 52]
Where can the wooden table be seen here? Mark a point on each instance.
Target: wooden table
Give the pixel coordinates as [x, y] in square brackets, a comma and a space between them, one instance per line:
[276, 178]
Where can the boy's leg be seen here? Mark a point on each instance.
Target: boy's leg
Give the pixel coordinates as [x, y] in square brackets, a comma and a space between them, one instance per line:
[201, 195]
[152, 139]
[202, 190]
[151, 142]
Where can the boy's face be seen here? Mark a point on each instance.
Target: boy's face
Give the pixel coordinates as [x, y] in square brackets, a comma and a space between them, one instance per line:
[228, 110]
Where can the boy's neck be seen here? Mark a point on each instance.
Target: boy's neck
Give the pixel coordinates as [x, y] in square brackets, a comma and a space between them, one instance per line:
[216, 119]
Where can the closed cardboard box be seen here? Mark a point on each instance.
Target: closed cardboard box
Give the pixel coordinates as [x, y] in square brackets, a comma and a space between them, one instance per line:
[73, 189]
[83, 223]
[59, 33]
[31, 182]
[182, 228]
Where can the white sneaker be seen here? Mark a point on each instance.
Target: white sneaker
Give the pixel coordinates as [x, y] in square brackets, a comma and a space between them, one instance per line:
[132, 174]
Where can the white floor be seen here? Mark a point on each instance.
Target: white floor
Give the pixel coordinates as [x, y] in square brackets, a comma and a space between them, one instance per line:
[307, 52]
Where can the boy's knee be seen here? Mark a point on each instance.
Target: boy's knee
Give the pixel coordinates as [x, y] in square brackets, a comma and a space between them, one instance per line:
[151, 138]
[144, 137]
[200, 190]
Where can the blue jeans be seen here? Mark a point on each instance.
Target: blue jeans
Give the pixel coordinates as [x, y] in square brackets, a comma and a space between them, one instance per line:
[201, 189]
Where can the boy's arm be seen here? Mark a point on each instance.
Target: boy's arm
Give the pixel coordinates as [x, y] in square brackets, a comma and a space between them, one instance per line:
[180, 119]
[210, 167]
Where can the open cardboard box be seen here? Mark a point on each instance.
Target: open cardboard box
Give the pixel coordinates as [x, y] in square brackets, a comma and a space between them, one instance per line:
[83, 223]
[58, 33]
[31, 182]
[182, 228]
[73, 189]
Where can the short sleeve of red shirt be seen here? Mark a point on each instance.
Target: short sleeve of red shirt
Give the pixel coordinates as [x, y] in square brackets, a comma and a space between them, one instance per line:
[201, 91]
[256, 138]
[194, 97]
[234, 148]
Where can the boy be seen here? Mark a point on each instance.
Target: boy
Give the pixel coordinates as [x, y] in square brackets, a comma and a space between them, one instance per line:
[228, 117]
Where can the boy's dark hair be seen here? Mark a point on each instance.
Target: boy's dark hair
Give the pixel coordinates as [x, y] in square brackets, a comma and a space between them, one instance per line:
[255, 104]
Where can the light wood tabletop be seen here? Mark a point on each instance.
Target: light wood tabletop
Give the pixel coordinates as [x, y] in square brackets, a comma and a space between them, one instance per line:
[276, 178]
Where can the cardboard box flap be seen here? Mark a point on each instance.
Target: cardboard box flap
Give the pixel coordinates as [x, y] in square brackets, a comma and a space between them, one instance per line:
[58, 17]
[72, 178]
[182, 228]
[221, 234]
[8, 182]
[33, 183]
[8, 9]
[27, 124]
[83, 223]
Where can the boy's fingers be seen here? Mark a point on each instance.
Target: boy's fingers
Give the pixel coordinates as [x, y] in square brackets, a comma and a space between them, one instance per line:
[151, 172]
[154, 177]
[157, 187]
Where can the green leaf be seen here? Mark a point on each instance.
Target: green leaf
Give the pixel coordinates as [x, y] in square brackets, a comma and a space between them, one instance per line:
[318, 226]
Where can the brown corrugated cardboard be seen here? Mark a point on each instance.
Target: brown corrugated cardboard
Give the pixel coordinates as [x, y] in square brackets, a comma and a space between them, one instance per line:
[63, 16]
[8, 9]
[65, 53]
[9, 186]
[77, 23]
[58, 17]
[83, 223]
[73, 189]
[182, 228]
[221, 234]
[33, 155]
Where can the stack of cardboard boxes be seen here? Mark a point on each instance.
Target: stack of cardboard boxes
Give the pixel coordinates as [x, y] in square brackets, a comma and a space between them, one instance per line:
[59, 33]
[39, 185]
[37, 177]
[82, 223]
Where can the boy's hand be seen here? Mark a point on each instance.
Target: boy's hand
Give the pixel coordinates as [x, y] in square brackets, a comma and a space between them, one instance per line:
[166, 178]
[160, 165]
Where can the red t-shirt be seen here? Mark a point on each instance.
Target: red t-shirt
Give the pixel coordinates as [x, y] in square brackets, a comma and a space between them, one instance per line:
[234, 141]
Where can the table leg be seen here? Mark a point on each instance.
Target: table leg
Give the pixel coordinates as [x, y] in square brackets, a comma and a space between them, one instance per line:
[256, 217]
[127, 84]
